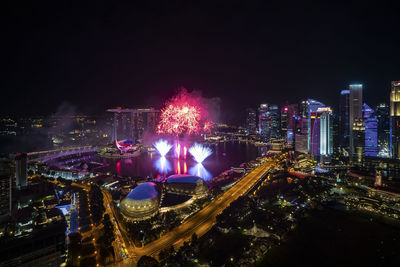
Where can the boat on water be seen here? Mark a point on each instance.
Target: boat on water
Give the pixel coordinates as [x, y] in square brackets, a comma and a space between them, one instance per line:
[260, 144]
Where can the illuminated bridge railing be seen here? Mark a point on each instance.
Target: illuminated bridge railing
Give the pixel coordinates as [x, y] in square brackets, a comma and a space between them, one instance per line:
[55, 153]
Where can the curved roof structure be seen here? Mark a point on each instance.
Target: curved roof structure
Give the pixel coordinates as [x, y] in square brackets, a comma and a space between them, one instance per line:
[141, 203]
[183, 178]
[314, 102]
[143, 191]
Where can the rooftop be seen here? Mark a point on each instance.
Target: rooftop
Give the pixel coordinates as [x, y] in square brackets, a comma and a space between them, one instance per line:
[143, 191]
[183, 178]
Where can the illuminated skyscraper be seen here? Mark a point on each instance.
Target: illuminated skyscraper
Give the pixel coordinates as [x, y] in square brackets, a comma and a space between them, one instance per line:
[355, 121]
[292, 122]
[326, 135]
[268, 121]
[321, 132]
[132, 123]
[273, 121]
[383, 115]
[312, 106]
[263, 121]
[303, 125]
[344, 128]
[371, 131]
[5, 189]
[303, 108]
[315, 128]
[251, 121]
[358, 141]
[284, 121]
[21, 164]
[395, 120]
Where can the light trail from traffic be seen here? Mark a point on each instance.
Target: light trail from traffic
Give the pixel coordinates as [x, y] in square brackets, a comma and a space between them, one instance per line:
[201, 222]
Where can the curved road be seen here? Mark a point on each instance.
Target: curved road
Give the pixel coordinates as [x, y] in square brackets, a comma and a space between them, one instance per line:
[201, 222]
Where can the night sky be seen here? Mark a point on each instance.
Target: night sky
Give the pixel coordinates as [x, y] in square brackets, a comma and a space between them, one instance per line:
[101, 55]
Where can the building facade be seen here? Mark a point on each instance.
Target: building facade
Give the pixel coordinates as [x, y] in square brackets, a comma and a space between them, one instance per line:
[321, 132]
[344, 118]
[395, 120]
[284, 121]
[263, 130]
[371, 131]
[355, 120]
[326, 129]
[132, 123]
[251, 121]
[292, 121]
[312, 106]
[383, 115]
[274, 121]
[21, 164]
[358, 141]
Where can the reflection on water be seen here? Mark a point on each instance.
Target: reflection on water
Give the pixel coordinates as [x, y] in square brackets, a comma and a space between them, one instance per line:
[163, 165]
[225, 156]
[199, 170]
[118, 167]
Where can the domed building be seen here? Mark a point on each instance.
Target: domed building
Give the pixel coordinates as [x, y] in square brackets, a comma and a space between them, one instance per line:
[141, 203]
[183, 184]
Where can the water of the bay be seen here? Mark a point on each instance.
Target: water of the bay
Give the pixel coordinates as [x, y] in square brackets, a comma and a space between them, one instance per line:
[225, 155]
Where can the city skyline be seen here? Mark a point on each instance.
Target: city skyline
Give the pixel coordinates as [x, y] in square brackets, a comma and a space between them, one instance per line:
[237, 133]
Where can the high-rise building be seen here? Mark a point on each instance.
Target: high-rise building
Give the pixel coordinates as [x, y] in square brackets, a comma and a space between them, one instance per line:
[383, 115]
[263, 121]
[301, 143]
[132, 123]
[358, 141]
[21, 164]
[336, 133]
[326, 135]
[312, 106]
[273, 121]
[371, 131]
[301, 133]
[395, 120]
[321, 132]
[292, 120]
[344, 126]
[284, 121]
[355, 121]
[145, 120]
[315, 128]
[251, 121]
[303, 111]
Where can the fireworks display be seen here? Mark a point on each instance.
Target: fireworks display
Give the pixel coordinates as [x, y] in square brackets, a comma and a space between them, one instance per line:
[200, 152]
[162, 147]
[184, 114]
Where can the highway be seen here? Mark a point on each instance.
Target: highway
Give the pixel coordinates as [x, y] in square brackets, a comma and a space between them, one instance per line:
[201, 222]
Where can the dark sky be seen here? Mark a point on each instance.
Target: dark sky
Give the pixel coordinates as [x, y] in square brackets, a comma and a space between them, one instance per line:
[102, 55]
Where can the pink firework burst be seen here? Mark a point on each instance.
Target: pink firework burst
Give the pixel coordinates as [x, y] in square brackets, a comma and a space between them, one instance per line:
[183, 114]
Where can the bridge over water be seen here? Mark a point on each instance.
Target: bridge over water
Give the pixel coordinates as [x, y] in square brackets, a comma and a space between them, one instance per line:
[47, 155]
